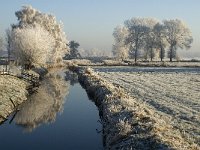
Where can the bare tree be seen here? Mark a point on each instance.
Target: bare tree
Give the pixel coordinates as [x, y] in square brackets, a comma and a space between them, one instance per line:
[161, 41]
[178, 35]
[150, 38]
[137, 30]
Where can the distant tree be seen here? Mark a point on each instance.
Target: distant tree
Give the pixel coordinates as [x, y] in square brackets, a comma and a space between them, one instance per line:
[32, 46]
[120, 50]
[29, 16]
[73, 50]
[172, 54]
[161, 42]
[1, 44]
[150, 38]
[178, 35]
[8, 41]
[137, 29]
[94, 52]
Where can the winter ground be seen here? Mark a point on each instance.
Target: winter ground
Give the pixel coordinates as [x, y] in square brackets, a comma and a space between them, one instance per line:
[172, 94]
[12, 93]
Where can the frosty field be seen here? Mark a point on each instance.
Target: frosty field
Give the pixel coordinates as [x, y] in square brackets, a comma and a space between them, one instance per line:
[173, 94]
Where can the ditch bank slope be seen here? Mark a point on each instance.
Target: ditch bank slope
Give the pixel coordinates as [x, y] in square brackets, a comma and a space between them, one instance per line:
[15, 89]
[12, 93]
[128, 124]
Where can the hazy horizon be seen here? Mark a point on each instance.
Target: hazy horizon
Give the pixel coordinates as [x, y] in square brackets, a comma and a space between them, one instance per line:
[91, 22]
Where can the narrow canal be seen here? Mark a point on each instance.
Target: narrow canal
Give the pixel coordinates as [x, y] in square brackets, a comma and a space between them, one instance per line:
[59, 116]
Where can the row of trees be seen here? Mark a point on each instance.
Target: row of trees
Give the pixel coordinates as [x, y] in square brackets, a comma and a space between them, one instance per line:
[148, 36]
[37, 38]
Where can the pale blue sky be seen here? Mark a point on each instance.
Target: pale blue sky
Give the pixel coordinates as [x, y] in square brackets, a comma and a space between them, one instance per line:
[91, 22]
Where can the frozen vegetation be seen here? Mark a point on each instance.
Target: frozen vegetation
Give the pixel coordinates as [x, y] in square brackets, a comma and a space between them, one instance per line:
[147, 37]
[12, 93]
[139, 110]
[131, 122]
[172, 95]
[131, 62]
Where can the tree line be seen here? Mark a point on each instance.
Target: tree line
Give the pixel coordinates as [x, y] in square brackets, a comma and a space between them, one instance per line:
[148, 36]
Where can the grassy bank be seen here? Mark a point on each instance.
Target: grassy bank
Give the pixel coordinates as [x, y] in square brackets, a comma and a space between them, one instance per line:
[12, 93]
[86, 62]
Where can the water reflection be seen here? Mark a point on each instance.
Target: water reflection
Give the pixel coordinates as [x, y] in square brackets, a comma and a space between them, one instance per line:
[71, 77]
[43, 106]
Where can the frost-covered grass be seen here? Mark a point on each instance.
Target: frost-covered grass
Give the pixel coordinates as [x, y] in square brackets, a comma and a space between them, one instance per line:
[164, 64]
[128, 122]
[114, 63]
[12, 92]
[174, 96]
[130, 62]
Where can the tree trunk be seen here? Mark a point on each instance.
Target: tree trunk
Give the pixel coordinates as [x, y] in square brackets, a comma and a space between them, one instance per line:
[136, 50]
[171, 54]
[151, 54]
[135, 55]
[161, 54]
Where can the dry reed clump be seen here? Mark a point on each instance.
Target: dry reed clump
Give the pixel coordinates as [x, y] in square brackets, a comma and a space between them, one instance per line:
[127, 123]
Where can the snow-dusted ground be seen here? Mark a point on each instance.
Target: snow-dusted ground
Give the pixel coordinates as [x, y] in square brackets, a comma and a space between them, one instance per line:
[12, 92]
[173, 94]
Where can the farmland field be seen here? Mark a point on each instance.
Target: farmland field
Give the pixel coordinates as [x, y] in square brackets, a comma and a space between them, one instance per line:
[174, 93]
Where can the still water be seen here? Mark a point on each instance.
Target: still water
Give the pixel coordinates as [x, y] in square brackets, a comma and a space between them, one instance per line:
[60, 116]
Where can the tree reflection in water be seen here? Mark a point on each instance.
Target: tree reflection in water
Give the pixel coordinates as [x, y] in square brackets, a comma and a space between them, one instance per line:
[43, 106]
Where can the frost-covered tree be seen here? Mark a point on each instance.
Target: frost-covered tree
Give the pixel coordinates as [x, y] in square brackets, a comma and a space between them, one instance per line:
[150, 38]
[137, 29]
[172, 54]
[120, 49]
[8, 41]
[161, 41]
[29, 16]
[32, 46]
[1, 44]
[178, 35]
